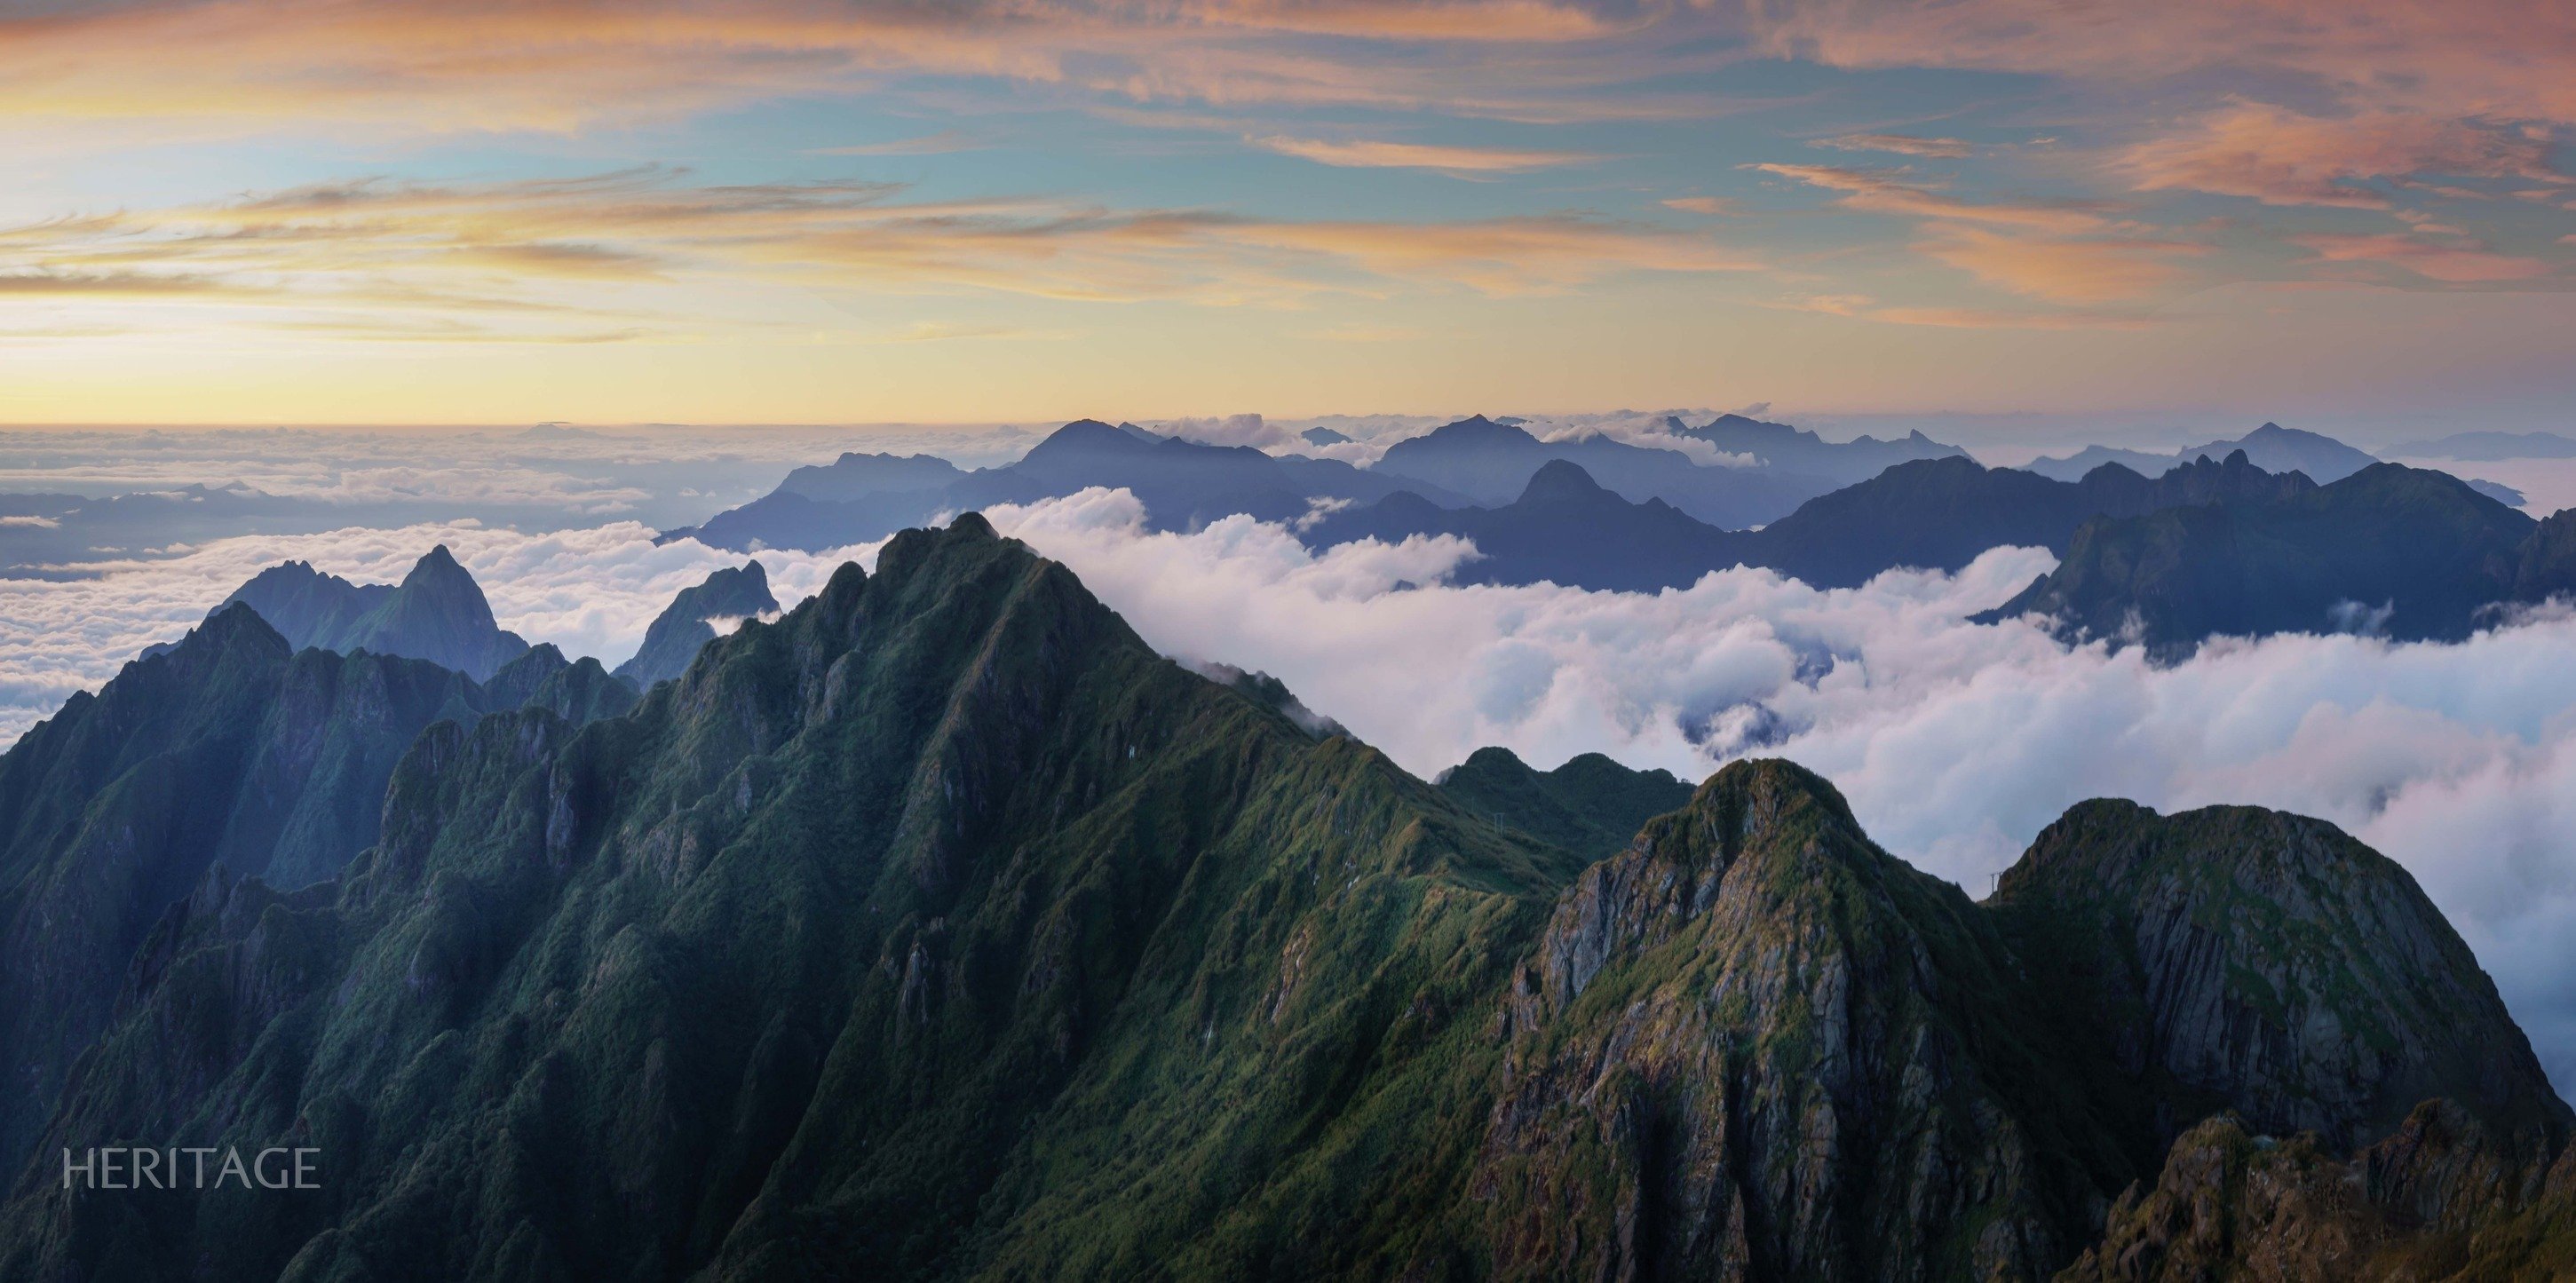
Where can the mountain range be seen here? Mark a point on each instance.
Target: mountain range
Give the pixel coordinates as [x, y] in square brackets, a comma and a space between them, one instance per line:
[1184, 484]
[2390, 550]
[940, 929]
[1796, 450]
[2271, 447]
[1491, 463]
[2489, 447]
[861, 498]
[1937, 513]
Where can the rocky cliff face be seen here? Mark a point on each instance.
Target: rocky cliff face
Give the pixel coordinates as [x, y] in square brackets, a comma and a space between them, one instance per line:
[2244, 959]
[1755, 1046]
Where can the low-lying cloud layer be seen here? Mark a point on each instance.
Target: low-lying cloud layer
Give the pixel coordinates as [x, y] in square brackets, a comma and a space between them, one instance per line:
[1955, 742]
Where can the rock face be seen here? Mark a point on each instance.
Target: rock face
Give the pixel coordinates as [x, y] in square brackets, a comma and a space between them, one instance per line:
[942, 930]
[2437, 1200]
[683, 628]
[1755, 1046]
[2245, 959]
[437, 613]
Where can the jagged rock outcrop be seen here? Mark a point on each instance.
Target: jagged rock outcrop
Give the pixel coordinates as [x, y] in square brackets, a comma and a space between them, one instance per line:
[437, 613]
[686, 625]
[2436, 1200]
[1755, 1046]
[2238, 958]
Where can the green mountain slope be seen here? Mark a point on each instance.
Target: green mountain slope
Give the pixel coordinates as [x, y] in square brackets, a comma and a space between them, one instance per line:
[227, 748]
[942, 930]
[1591, 805]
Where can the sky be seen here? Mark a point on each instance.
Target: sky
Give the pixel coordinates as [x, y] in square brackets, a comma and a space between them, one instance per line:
[799, 212]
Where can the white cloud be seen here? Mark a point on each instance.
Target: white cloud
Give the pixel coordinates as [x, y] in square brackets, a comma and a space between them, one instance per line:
[1955, 742]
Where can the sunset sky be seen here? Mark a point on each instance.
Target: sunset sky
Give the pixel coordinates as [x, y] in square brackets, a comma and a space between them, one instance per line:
[408, 212]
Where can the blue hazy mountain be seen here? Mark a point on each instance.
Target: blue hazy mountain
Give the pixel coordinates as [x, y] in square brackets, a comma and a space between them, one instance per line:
[682, 629]
[1935, 514]
[1183, 485]
[1796, 450]
[231, 748]
[2402, 552]
[1491, 463]
[2489, 447]
[2272, 447]
[437, 613]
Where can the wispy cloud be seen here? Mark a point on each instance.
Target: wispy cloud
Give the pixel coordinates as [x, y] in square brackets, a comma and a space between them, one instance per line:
[1714, 206]
[2065, 252]
[1902, 145]
[562, 255]
[2462, 263]
[1381, 154]
[2282, 157]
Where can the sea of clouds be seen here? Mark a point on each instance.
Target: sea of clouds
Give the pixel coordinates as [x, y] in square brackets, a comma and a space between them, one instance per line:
[1955, 742]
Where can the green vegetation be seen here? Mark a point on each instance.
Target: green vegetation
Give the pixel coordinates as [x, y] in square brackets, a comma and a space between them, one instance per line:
[942, 930]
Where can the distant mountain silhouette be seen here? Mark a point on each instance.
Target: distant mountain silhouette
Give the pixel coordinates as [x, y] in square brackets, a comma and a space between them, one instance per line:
[437, 613]
[681, 630]
[1591, 806]
[1936, 514]
[1492, 462]
[2498, 491]
[1183, 485]
[1324, 436]
[2392, 550]
[1797, 450]
[2488, 447]
[2272, 447]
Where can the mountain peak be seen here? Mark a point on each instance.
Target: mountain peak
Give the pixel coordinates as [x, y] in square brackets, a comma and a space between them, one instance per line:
[1560, 481]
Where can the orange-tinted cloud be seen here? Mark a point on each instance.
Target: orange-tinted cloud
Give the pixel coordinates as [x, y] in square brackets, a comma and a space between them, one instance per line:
[1880, 192]
[1902, 145]
[2282, 157]
[2470, 263]
[1377, 154]
[2459, 59]
[564, 253]
[2090, 271]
